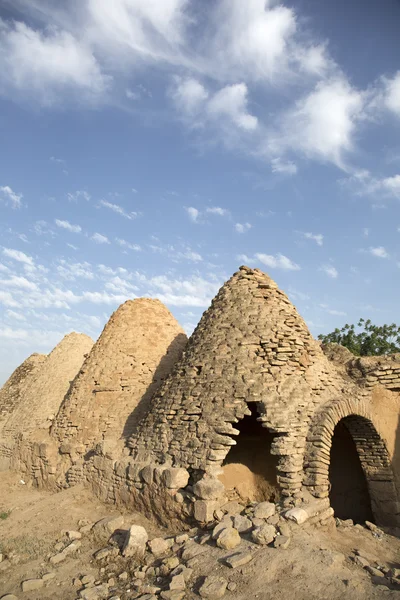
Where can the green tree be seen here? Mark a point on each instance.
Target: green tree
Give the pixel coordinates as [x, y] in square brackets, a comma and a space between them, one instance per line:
[366, 339]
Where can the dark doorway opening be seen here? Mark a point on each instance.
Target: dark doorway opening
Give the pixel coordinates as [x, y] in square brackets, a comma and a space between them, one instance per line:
[250, 470]
[349, 495]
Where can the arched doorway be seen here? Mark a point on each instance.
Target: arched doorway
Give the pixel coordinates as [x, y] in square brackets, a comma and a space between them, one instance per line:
[349, 494]
[342, 439]
[250, 470]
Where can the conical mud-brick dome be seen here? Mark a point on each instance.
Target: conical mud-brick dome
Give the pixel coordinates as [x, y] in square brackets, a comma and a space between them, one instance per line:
[13, 391]
[46, 387]
[250, 349]
[134, 354]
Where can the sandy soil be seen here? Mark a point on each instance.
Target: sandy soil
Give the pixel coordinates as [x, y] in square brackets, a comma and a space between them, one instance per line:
[316, 566]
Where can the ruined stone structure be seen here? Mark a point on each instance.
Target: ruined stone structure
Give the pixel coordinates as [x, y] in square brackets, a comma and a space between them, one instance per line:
[252, 408]
[40, 393]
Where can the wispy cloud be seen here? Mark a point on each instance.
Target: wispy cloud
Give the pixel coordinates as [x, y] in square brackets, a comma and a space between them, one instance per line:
[193, 213]
[379, 252]
[118, 209]
[68, 226]
[100, 239]
[316, 237]
[330, 271]
[125, 244]
[8, 196]
[217, 210]
[277, 261]
[78, 195]
[242, 227]
[18, 256]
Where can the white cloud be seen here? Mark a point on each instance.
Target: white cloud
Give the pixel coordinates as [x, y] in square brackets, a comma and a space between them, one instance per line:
[193, 213]
[317, 237]
[231, 101]
[78, 195]
[118, 209]
[365, 184]
[242, 227]
[71, 271]
[189, 95]
[18, 282]
[277, 261]
[330, 271]
[9, 196]
[11, 314]
[186, 253]
[68, 226]
[251, 39]
[280, 166]
[125, 244]
[323, 123]
[217, 210]
[18, 256]
[100, 239]
[46, 64]
[392, 94]
[379, 252]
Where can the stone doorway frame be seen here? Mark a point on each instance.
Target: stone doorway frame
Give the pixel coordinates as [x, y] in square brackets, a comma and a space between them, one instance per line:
[372, 452]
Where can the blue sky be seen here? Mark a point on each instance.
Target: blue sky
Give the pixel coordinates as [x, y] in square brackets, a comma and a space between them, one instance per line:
[149, 148]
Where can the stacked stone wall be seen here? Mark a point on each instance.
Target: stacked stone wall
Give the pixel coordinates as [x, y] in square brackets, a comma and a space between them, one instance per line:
[251, 345]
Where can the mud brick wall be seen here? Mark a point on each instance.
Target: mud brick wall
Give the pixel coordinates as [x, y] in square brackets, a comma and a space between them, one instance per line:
[133, 355]
[45, 389]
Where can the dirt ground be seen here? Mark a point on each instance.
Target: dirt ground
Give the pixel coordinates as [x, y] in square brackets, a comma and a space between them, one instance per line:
[317, 565]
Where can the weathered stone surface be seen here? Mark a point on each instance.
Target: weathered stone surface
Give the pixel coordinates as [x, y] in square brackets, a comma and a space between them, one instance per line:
[175, 478]
[242, 524]
[30, 585]
[177, 582]
[135, 541]
[264, 535]
[172, 595]
[191, 550]
[158, 546]
[281, 541]
[99, 592]
[213, 587]
[209, 489]
[9, 597]
[238, 559]
[107, 526]
[228, 539]
[204, 510]
[298, 515]
[264, 510]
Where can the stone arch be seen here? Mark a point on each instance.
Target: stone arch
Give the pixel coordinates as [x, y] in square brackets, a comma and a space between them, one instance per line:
[371, 449]
[250, 467]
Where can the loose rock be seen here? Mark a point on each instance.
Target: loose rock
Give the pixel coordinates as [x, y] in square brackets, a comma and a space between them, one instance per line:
[238, 559]
[242, 524]
[264, 535]
[213, 587]
[158, 547]
[264, 510]
[228, 539]
[29, 585]
[135, 542]
[298, 515]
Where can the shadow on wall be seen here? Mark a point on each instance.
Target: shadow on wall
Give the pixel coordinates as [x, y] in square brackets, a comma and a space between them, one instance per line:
[176, 348]
[396, 459]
